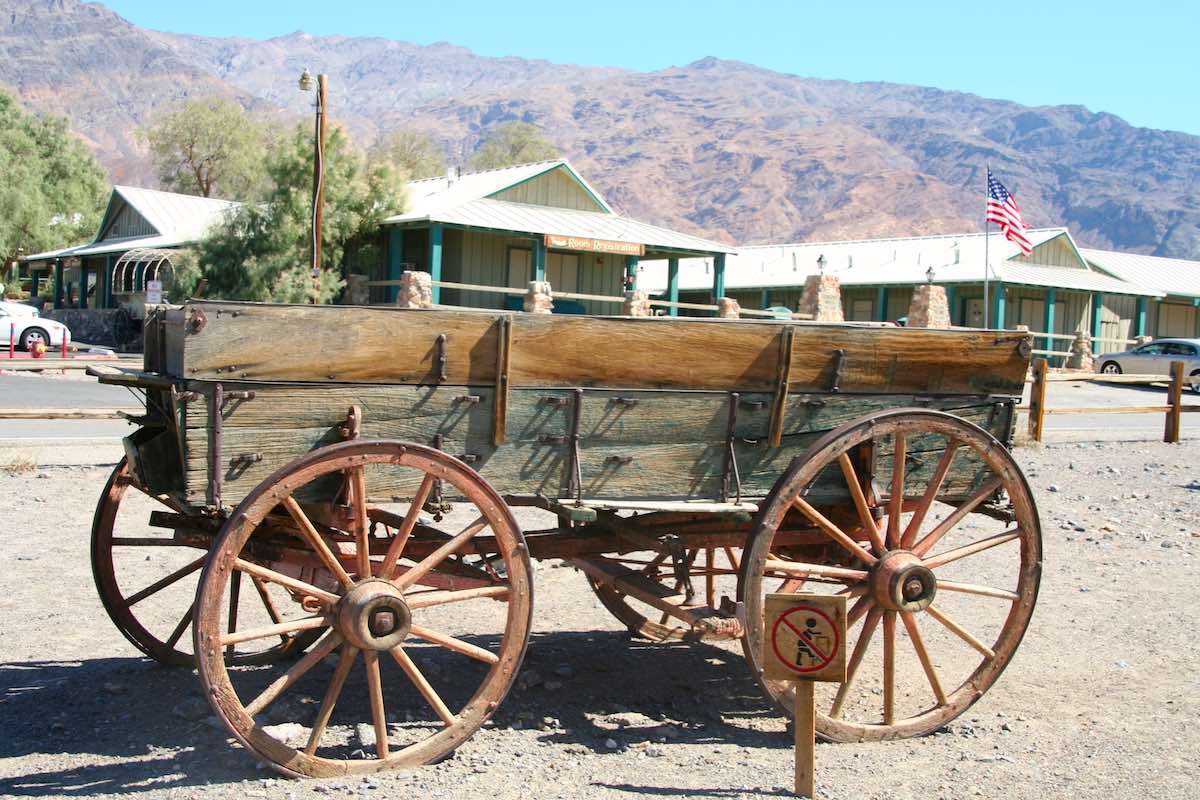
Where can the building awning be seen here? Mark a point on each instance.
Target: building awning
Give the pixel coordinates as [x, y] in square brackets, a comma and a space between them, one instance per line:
[536, 220]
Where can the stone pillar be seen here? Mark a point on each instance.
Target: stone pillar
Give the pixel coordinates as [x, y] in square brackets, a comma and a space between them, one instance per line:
[539, 299]
[929, 307]
[416, 289]
[728, 308]
[637, 304]
[822, 298]
[357, 291]
[1081, 352]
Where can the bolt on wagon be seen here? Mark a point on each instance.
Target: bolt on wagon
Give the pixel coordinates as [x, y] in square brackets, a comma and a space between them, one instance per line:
[316, 509]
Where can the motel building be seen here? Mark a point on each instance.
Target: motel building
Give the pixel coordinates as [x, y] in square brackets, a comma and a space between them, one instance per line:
[140, 231]
[507, 227]
[1055, 289]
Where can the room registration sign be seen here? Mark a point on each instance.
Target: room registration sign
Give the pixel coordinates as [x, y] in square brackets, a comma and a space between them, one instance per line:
[804, 641]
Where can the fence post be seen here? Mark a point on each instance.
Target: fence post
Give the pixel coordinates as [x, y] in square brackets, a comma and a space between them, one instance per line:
[1037, 399]
[1174, 404]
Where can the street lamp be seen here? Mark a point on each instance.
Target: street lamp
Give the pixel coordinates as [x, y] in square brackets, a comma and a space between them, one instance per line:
[821, 264]
[929, 274]
[318, 204]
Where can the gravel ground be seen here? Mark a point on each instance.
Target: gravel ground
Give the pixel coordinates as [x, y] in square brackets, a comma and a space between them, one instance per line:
[1100, 701]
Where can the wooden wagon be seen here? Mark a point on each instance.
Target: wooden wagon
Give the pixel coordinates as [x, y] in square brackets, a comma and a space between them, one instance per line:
[341, 482]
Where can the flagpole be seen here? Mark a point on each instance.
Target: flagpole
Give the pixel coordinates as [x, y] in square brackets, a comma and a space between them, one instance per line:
[986, 239]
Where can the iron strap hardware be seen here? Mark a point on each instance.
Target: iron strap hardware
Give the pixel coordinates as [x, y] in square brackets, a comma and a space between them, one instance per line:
[245, 459]
[439, 358]
[732, 477]
[216, 434]
[575, 485]
[839, 361]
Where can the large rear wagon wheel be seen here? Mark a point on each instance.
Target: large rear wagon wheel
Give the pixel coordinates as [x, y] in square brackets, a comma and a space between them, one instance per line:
[940, 572]
[438, 621]
[146, 577]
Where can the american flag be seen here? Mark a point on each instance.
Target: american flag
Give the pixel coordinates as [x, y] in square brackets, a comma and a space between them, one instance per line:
[1003, 210]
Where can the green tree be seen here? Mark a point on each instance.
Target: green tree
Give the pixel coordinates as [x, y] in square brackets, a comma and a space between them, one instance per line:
[52, 189]
[209, 146]
[512, 143]
[263, 250]
[413, 152]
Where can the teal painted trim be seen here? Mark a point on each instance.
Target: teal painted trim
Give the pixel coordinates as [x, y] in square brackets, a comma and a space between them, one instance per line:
[1140, 319]
[631, 272]
[673, 285]
[435, 258]
[1097, 312]
[718, 277]
[59, 289]
[395, 261]
[537, 261]
[106, 281]
[83, 284]
[764, 302]
[1048, 317]
[951, 296]
[998, 307]
[881, 297]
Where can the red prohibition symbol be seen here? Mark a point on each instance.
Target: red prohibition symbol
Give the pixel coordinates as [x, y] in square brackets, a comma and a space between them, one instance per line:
[795, 619]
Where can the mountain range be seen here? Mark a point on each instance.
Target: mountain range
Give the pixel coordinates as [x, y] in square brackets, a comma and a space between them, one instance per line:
[716, 148]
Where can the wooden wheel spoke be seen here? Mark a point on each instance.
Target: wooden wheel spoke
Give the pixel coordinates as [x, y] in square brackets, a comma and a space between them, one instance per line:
[982, 591]
[284, 580]
[439, 597]
[733, 559]
[970, 504]
[949, 556]
[802, 569]
[856, 657]
[860, 503]
[163, 583]
[914, 635]
[457, 645]
[960, 632]
[889, 667]
[278, 629]
[145, 541]
[931, 492]
[316, 542]
[896, 501]
[268, 603]
[710, 579]
[396, 548]
[423, 686]
[295, 673]
[176, 634]
[362, 526]
[375, 691]
[235, 593]
[332, 693]
[439, 555]
[833, 531]
[858, 610]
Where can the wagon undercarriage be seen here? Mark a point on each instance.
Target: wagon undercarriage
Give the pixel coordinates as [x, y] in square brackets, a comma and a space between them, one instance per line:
[366, 519]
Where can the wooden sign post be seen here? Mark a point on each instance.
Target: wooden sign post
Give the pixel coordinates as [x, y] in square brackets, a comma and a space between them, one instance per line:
[804, 641]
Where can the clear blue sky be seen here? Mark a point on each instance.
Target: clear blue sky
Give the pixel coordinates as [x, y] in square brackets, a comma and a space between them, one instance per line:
[1135, 59]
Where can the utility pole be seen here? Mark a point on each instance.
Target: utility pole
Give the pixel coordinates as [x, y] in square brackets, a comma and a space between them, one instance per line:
[318, 212]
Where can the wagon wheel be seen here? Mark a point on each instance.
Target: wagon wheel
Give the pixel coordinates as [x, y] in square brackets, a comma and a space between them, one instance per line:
[146, 577]
[710, 570]
[961, 585]
[440, 620]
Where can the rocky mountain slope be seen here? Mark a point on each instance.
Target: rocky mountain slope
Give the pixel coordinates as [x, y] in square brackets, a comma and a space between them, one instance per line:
[718, 148]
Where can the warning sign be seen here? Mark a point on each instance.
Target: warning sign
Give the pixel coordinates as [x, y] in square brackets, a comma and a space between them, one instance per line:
[805, 637]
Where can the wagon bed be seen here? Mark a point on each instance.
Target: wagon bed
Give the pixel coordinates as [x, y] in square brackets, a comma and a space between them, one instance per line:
[317, 450]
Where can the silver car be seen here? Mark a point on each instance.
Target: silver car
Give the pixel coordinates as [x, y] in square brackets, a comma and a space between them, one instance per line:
[1155, 359]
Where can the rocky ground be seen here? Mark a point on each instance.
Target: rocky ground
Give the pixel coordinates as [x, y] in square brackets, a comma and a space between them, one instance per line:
[1100, 701]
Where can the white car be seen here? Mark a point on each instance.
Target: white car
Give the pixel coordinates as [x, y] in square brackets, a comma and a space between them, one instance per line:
[25, 327]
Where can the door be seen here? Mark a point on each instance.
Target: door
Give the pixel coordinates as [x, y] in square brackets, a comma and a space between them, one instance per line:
[974, 313]
[1032, 314]
[860, 310]
[562, 271]
[518, 268]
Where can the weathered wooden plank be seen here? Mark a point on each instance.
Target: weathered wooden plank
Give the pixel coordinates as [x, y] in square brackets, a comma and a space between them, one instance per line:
[248, 341]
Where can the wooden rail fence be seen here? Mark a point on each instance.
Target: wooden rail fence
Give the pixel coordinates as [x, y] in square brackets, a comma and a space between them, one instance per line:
[1173, 410]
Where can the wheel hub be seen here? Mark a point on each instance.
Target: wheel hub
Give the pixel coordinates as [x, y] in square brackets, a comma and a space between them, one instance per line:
[900, 582]
[374, 616]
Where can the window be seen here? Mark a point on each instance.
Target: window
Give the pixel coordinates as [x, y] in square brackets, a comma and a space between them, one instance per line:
[1149, 350]
[1178, 349]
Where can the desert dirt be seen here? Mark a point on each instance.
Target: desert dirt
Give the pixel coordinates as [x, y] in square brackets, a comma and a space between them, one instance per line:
[1100, 700]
